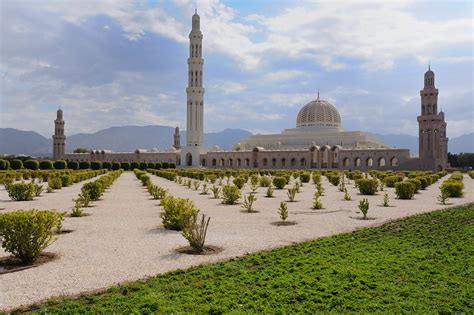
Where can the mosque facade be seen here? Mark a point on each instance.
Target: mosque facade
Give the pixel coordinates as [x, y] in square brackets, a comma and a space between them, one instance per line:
[317, 142]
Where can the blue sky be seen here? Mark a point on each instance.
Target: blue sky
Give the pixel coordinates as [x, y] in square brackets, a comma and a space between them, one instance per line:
[122, 62]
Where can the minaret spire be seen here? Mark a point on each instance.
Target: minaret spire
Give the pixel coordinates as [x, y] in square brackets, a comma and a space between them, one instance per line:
[190, 154]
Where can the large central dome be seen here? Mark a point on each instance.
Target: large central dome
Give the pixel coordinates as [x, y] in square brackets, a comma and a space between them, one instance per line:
[318, 113]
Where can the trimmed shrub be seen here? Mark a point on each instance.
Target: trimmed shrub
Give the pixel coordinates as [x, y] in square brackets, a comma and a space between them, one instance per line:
[157, 165]
[143, 166]
[115, 166]
[4, 165]
[59, 165]
[424, 181]
[177, 212]
[94, 189]
[165, 165]
[150, 165]
[230, 194]
[455, 176]
[405, 190]
[334, 179]
[107, 165]
[134, 165]
[84, 165]
[416, 182]
[16, 164]
[73, 165]
[46, 165]
[265, 181]
[55, 182]
[452, 188]
[96, 165]
[279, 182]
[173, 165]
[367, 186]
[305, 177]
[239, 182]
[66, 180]
[125, 165]
[31, 164]
[26, 233]
[391, 180]
[21, 191]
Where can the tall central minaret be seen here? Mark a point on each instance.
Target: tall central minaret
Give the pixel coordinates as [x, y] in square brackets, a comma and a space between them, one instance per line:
[190, 155]
[59, 139]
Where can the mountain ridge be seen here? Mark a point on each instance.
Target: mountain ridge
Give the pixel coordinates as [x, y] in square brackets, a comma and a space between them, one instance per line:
[129, 138]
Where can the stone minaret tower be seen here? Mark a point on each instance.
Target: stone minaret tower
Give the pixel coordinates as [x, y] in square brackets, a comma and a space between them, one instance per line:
[433, 143]
[177, 139]
[195, 98]
[59, 139]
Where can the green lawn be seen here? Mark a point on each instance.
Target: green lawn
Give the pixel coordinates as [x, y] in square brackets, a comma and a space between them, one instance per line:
[421, 264]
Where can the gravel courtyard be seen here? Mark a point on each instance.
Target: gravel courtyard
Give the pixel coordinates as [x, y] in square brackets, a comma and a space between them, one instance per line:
[123, 238]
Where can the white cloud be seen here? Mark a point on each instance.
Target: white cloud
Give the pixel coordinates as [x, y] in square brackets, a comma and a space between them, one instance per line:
[283, 75]
[228, 87]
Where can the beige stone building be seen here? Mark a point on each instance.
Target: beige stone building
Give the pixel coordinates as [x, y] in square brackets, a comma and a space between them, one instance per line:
[317, 142]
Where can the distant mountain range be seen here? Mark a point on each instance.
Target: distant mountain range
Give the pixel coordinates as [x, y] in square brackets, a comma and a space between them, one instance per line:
[129, 138]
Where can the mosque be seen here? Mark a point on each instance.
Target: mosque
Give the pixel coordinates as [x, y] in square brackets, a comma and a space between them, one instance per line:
[317, 142]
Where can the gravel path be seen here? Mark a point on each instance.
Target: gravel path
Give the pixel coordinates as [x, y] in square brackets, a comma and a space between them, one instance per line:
[124, 240]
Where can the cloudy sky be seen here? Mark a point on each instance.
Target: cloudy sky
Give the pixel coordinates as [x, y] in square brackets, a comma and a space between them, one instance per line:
[123, 62]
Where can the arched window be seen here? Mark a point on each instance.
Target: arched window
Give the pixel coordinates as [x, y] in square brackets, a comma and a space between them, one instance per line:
[394, 161]
[303, 162]
[239, 162]
[293, 162]
[230, 162]
[369, 162]
[221, 162]
[265, 162]
[357, 162]
[345, 162]
[283, 162]
[274, 162]
[214, 162]
[382, 162]
[247, 162]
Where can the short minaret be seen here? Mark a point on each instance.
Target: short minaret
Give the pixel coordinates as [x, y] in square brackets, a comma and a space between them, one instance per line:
[195, 98]
[177, 139]
[59, 139]
[433, 143]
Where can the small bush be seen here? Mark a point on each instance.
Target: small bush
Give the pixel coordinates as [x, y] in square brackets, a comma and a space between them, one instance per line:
[31, 164]
[265, 181]
[443, 196]
[215, 191]
[143, 166]
[347, 197]
[66, 180]
[73, 165]
[292, 193]
[4, 165]
[195, 233]
[93, 189]
[231, 194]
[416, 182]
[16, 164]
[55, 183]
[386, 200]
[46, 165]
[405, 190]
[283, 211]
[364, 207]
[452, 188]
[279, 182]
[26, 233]
[59, 165]
[21, 191]
[84, 165]
[248, 202]
[305, 177]
[165, 165]
[125, 165]
[115, 166]
[317, 203]
[38, 189]
[108, 166]
[270, 190]
[367, 186]
[239, 182]
[76, 210]
[391, 180]
[96, 165]
[334, 179]
[177, 212]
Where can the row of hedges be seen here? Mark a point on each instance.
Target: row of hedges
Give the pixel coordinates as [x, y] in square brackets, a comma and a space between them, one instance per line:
[17, 164]
[96, 188]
